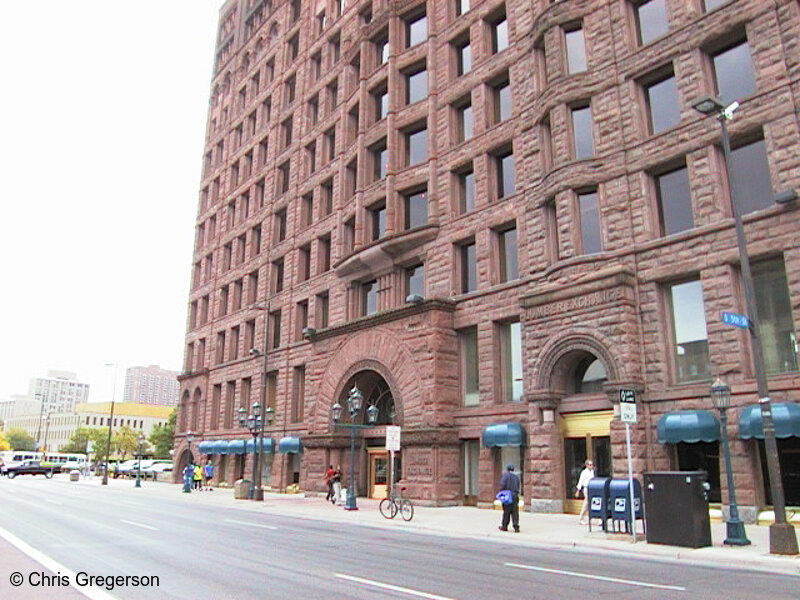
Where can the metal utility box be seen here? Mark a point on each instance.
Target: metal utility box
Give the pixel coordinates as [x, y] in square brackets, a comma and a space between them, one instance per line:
[677, 508]
[597, 492]
[241, 489]
[619, 501]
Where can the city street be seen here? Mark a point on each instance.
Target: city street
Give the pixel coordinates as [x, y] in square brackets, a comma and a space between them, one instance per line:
[202, 550]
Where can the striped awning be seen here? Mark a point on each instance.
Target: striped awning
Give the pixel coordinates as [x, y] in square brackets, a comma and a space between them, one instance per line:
[689, 426]
[785, 417]
[504, 434]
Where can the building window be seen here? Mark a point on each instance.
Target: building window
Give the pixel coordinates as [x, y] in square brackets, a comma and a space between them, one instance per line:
[415, 281]
[289, 91]
[321, 310]
[380, 159]
[313, 110]
[774, 307]
[301, 319]
[326, 198]
[415, 209]
[382, 49]
[286, 132]
[369, 297]
[689, 331]
[323, 254]
[674, 201]
[220, 350]
[279, 227]
[511, 359]
[651, 20]
[499, 25]
[462, 7]
[298, 397]
[307, 210]
[275, 329]
[349, 235]
[380, 100]
[734, 76]
[501, 100]
[463, 53]
[663, 107]
[277, 276]
[750, 171]
[465, 189]
[576, 49]
[329, 146]
[468, 267]
[304, 263]
[464, 120]
[468, 346]
[507, 255]
[377, 220]
[416, 30]
[416, 145]
[709, 5]
[416, 85]
[505, 174]
[582, 137]
[284, 175]
[591, 235]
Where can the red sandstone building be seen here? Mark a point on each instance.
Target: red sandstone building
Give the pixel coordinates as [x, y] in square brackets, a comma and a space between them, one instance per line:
[534, 177]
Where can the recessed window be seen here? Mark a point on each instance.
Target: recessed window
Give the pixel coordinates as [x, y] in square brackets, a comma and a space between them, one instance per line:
[576, 50]
[313, 110]
[277, 276]
[415, 280]
[690, 336]
[369, 295]
[377, 220]
[505, 174]
[674, 201]
[316, 66]
[329, 145]
[287, 131]
[499, 33]
[380, 100]
[289, 91]
[311, 157]
[733, 72]
[275, 329]
[321, 310]
[776, 324]
[468, 346]
[416, 30]
[651, 20]
[709, 5]
[591, 236]
[284, 175]
[511, 361]
[415, 209]
[416, 86]
[380, 159]
[462, 7]
[301, 319]
[382, 50]
[326, 198]
[279, 227]
[750, 170]
[323, 254]
[468, 267]
[304, 262]
[663, 108]
[466, 190]
[508, 261]
[464, 121]
[582, 137]
[293, 47]
[501, 99]
[463, 52]
[416, 146]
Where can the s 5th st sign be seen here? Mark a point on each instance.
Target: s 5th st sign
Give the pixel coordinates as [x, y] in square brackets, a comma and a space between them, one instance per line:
[736, 320]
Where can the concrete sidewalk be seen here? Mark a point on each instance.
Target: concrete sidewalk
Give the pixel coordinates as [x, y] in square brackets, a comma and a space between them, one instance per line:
[537, 529]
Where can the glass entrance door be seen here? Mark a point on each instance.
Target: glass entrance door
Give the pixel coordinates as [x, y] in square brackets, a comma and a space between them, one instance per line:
[378, 474]
[586, 436]
[471, 457]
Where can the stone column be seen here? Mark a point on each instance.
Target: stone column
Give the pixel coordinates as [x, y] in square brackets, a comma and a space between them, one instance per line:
[545, 469]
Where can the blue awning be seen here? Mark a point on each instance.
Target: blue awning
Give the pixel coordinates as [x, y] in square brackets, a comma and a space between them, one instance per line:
[690, 426]
[252, 446]
[205, 447]
[785, 416]
[290, 445]
[219, 447]
[504, 434]
[236, 447]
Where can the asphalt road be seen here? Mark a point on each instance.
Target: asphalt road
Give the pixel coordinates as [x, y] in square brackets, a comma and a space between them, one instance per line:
[206, 552]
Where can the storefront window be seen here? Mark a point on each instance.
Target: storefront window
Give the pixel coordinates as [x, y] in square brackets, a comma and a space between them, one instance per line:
[702, 456]
[689, 329]
[776, 328]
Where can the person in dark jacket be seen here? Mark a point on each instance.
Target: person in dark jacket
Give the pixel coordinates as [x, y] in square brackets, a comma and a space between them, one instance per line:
[510, 481]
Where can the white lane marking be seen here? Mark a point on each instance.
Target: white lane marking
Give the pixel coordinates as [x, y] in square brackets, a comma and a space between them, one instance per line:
[139, 525]
[599, 577]
[130, 503]
[51, 501]
[51, 565]
[249, 524]
[394, 588]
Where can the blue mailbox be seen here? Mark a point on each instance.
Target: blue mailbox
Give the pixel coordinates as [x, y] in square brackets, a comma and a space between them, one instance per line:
[619, 501]
[597, 491]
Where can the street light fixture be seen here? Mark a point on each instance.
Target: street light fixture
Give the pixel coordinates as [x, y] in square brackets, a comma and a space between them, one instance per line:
[46, 432]
[721, 397]
[254, 422]
[782, 537]
[139, 462]
[265, 412]
[110, 420]
[354, 402]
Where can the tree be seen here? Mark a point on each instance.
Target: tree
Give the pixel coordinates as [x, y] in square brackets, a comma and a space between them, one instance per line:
[163, 436]
[126, 441]
[99, 436]
[77, 442]
[4, 444]
[19, 439]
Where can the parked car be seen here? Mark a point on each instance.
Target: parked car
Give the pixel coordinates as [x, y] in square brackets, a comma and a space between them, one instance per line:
[156, 468]
[29, 467]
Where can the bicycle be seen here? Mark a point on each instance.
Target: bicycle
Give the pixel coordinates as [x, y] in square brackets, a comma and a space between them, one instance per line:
[395, 503]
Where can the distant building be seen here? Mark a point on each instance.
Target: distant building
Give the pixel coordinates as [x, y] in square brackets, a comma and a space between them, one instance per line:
[151, 385]
[54, 430]
[58, 392]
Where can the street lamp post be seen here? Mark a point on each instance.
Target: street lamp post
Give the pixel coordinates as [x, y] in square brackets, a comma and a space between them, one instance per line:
[139, 462]
[721, 396]
[110, 420]
[354, 403]
[254, 422]
[265, 413]
[782, 537]
[46, 432]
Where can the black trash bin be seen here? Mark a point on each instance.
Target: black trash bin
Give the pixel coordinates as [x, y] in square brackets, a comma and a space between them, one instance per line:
[597, 491]
[677, 508]
[619, 503]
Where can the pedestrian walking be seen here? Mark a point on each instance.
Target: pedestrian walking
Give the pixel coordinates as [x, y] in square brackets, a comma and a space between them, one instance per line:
[330, 472]
[208, 473]
[188, 475]
[337, 484]
[197, 476]
[582, 489]
[509, 482]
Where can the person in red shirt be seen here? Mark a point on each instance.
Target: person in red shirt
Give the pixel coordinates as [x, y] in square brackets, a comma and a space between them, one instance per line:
[330, 473]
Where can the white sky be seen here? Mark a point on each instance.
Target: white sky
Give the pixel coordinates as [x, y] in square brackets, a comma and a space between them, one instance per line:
[102, 121]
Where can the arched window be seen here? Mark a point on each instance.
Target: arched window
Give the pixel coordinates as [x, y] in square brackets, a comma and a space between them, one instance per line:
[590, 375]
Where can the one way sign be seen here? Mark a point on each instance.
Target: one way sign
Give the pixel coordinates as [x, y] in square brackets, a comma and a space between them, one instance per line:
[627, 406]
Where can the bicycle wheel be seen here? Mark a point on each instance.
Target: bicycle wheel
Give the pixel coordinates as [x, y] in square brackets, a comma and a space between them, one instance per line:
[388, 508]
[406, 509]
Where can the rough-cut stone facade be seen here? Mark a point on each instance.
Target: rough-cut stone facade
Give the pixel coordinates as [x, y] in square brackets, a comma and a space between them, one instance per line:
[289, 186]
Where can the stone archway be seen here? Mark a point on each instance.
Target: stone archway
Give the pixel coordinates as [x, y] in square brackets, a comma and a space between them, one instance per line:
[561, 356]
